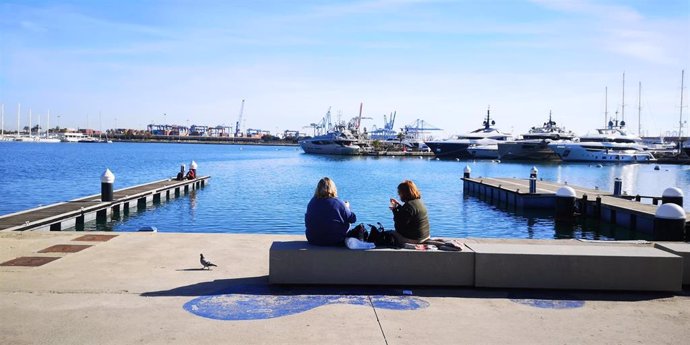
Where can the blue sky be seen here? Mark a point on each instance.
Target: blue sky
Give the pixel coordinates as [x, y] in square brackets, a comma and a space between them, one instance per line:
[441, 61]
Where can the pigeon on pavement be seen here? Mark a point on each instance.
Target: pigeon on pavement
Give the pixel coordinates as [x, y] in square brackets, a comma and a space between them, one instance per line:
[206, 263]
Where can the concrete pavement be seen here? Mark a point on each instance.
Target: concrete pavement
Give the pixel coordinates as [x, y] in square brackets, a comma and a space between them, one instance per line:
[147, 288]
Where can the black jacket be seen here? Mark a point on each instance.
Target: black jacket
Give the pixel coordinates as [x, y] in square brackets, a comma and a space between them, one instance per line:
[411, 220]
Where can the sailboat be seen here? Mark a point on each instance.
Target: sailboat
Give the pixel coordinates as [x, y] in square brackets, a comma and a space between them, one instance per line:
[47, 138]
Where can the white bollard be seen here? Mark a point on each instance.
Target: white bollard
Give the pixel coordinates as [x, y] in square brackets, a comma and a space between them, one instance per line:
[669, 223]
[107, 181]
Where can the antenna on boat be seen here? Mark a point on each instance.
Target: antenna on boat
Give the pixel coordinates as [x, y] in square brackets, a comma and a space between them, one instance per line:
[487, 122]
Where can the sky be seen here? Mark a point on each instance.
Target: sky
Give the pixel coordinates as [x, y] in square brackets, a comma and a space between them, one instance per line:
[130, 63]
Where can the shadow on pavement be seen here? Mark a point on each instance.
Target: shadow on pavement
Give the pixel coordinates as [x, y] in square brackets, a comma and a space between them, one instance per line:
[260, 286]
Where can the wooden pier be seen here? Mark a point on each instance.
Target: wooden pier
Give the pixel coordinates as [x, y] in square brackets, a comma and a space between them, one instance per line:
[593, 203]
[75, 213]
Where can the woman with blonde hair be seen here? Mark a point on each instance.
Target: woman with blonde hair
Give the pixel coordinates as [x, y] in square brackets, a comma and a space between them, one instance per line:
[410, 218]
[327, 218]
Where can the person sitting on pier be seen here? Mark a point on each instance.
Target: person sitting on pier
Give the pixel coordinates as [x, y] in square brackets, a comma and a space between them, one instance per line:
[411, 220]
[327, 219]
[191, 174]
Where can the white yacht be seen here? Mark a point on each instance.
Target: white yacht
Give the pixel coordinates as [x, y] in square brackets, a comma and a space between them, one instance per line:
[480, 143]
[611, 144]
[76, 137]
[332, 143]
[534, 145]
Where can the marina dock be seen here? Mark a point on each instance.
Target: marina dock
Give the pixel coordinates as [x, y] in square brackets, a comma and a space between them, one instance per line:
[75, 213]
[595, 203]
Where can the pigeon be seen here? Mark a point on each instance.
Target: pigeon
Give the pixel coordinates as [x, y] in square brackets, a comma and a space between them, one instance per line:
[206, 263]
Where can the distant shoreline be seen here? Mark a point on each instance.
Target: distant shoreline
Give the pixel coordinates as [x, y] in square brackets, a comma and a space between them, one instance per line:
[214, 142]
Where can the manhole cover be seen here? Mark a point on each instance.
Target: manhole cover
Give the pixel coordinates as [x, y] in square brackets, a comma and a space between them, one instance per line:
[94, 238]
[30, 261]
[65, 248]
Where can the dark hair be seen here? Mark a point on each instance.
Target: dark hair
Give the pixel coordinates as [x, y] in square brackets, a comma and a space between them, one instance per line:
[408, 191]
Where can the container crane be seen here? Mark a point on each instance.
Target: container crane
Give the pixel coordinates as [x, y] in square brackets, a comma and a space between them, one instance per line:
[238, 130]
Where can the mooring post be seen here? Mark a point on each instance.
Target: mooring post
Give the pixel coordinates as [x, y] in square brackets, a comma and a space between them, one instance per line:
[565, 204]
[597, 206]
[583, 205]
[107, 181]
[617, 186]
[669, 223]
[533, 180]
[672, 195]
[467, 171]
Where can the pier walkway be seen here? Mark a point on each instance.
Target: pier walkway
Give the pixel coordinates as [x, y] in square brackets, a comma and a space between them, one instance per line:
[599, 203]
[75, 212]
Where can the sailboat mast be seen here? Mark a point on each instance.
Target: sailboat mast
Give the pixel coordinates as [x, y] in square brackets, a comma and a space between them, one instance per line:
[606, 106]
[623, 105]
[2, 131]
[680, 122]
[639, 110]
[29, 123]
[19, 112]
[48, 125]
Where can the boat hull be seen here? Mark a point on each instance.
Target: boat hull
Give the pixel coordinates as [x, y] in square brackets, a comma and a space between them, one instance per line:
[449, 149]
[578, 153]
[526, 151]
[329, 149]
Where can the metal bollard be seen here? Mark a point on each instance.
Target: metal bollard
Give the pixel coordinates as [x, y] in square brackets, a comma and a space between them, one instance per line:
[533, 180]
[107, 181]
[669, 223]
[565, 204]
[467, 171]
[672, 195]
[617, 187]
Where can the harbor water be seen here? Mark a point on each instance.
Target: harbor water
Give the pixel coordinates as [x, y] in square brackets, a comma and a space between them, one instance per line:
[265, 189]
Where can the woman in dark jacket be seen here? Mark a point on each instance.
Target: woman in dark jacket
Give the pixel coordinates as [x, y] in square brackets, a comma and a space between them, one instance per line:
[411, 221]
[327, 218]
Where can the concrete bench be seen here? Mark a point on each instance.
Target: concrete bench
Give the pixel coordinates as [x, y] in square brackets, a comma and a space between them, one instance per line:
[681, 249]
[297, 262]
[590, 267]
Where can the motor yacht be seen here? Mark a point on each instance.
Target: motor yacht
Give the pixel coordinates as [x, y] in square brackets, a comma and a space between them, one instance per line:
[480, 143]
[534, 145]
[611, 144]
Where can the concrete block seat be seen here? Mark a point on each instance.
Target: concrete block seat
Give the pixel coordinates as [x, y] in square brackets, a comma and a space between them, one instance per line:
[681, 249]
[297, 262]
[589, 267]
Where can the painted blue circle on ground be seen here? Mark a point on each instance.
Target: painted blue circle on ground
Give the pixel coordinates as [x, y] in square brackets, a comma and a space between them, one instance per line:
[257, 307]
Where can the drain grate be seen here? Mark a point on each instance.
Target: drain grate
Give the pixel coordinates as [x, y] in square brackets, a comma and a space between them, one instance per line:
[94, 238]
[65, 248]
[29, 261]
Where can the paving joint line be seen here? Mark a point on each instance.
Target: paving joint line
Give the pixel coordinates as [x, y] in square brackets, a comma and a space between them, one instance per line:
[377, 320]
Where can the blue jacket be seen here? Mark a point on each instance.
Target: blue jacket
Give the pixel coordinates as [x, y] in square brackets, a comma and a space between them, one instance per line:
[327, 221]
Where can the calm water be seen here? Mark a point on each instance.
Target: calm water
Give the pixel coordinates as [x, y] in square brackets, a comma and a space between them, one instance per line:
[259, 189]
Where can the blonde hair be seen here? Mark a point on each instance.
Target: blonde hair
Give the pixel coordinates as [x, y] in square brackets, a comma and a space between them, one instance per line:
[408, 191]
[326, 189]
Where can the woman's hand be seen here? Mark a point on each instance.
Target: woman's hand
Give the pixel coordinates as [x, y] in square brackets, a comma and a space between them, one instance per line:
[393, 204]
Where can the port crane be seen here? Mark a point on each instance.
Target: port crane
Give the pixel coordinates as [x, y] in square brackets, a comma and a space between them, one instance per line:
[238, 130]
